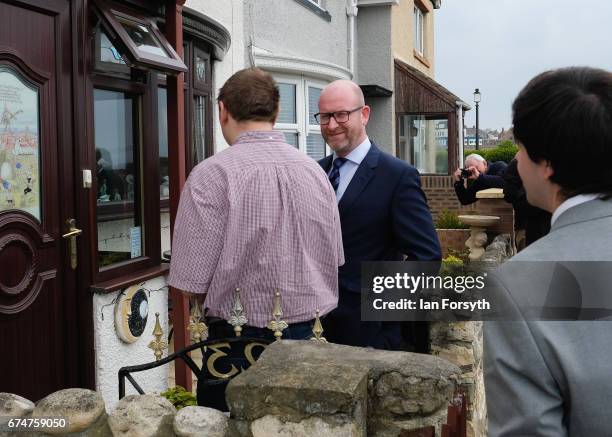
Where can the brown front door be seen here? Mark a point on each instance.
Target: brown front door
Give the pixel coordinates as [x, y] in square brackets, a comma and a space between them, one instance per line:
[39, 303]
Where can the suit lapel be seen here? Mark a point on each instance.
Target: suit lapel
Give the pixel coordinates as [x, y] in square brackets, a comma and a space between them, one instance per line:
[326, 163]
[365, 172]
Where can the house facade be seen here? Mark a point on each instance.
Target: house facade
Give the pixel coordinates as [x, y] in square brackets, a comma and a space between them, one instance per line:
[106, 109]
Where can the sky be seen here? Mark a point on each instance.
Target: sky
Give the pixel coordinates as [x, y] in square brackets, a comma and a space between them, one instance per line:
[498, 45]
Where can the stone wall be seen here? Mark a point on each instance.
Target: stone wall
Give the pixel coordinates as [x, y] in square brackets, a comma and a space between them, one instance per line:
[303, 388]
[147, 415]
[297, 388]
[461, 343]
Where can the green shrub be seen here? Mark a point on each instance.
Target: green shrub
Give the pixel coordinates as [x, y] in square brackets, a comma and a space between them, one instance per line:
[504, 151]
[449, 220]
[180, 397]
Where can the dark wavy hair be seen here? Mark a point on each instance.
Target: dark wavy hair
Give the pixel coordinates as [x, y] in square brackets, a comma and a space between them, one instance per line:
[564, 117]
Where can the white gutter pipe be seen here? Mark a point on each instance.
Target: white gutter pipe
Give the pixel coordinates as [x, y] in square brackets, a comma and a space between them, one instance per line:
[351, 12]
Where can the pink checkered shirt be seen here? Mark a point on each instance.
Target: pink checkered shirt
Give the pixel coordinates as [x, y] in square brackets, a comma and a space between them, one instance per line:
[260, 216]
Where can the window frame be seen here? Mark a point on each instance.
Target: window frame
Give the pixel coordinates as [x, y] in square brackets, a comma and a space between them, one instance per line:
[418, 23]
[147, 142]
[293, 128]
[438, 116]
[302, 126]
[312, 128]
[110, 14]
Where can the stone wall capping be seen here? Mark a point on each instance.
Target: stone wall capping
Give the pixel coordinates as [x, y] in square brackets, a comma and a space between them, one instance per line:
[338, 390]
[490, 193]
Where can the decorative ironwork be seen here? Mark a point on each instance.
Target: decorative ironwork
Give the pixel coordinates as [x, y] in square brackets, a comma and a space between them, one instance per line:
[197, 329]
[158, 345]
[277, 325]
[238, 318]
[218, 367]
[317, 330]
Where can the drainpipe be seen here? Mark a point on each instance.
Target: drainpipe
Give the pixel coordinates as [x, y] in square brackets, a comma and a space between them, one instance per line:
[460, 106]
[351, 12]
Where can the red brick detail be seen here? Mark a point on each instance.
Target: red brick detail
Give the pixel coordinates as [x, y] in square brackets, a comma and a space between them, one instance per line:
[441, 195]
[500, 208]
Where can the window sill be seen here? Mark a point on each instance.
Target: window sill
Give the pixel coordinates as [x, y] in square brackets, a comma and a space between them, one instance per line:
[421, 59]
[130, 279]
[316, 9]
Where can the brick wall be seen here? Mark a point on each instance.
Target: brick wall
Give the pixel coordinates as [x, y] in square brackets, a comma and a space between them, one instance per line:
[500, 208]
[441, 195]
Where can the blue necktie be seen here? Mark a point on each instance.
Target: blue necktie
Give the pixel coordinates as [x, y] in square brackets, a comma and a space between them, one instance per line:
[334, 176]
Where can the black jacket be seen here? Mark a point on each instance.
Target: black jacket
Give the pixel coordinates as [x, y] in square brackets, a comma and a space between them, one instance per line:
[492, 179]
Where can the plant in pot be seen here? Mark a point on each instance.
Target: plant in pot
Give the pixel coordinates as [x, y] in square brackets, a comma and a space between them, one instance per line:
[452, 232]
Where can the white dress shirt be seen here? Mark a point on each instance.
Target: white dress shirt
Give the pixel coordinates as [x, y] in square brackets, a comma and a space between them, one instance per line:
[570, 203]
[348, 169]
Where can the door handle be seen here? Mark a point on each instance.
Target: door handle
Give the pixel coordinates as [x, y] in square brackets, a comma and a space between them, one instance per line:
[72, 233]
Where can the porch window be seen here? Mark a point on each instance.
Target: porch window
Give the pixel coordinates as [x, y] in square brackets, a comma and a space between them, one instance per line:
[423, 142]
[198, 125]
[139, 38]
[126, 183]
[299, 99]
[118, 172]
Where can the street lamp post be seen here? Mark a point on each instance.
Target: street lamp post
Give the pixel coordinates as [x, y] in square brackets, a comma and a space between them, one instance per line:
[477, 101]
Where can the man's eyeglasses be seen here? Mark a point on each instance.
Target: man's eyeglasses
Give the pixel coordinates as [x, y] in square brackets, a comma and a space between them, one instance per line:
[324, 118]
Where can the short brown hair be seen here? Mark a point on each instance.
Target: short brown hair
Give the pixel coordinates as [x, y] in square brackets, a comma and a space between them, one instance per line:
[250, 94]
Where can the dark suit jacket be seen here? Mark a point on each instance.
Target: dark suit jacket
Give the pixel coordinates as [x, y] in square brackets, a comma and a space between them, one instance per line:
[384, 216]
[493, 179]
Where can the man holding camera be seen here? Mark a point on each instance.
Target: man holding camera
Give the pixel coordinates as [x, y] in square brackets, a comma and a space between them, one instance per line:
[480, 175]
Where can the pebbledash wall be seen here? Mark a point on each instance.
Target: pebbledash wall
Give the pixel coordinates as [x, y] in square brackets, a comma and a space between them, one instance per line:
[112, 353]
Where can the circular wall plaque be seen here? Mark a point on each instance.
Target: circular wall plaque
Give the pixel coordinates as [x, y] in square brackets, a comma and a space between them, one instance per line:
[131, 311]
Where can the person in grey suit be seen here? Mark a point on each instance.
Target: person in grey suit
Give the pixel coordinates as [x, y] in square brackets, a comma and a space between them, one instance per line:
[554, 378]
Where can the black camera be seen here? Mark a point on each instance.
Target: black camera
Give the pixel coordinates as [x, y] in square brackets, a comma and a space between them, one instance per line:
[466, 173]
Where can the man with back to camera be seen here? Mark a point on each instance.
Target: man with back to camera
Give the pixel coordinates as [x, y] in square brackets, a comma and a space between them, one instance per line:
[258, 216]
[552, 378]
[479, 175]
[383, 212]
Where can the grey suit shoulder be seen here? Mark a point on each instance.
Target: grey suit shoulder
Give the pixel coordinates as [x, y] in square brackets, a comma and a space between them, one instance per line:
[553, 378]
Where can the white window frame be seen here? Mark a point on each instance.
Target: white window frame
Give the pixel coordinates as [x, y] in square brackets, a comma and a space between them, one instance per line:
[419, 30]
[299, 110]
[302, 127]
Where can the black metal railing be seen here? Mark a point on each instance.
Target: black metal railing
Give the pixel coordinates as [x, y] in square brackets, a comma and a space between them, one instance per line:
[222, 360]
